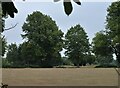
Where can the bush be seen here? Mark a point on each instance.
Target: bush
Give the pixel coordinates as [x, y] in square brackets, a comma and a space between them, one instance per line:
[106, 66]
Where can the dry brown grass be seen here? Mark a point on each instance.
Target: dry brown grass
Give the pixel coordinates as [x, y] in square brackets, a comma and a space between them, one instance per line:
[60, 77]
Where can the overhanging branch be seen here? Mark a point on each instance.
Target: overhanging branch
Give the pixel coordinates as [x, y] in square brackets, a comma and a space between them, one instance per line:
[11, 27]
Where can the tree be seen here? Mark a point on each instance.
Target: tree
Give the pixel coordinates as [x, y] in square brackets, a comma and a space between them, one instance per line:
[26, 51]
[13, 55]
[77, 45]
[113, 27]
[41, 31]
[102, 48]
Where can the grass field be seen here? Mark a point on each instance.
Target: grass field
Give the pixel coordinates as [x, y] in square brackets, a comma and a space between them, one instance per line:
[60, 77]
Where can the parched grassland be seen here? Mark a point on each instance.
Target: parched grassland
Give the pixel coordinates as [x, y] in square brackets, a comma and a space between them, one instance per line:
[60, 77]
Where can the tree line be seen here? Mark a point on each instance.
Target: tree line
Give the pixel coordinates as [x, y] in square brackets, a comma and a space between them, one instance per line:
[44, 41]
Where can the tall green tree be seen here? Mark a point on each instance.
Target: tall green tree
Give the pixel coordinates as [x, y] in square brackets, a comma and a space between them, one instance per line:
[77, 45]
[102, 48]
[113, 27]
[41, 31]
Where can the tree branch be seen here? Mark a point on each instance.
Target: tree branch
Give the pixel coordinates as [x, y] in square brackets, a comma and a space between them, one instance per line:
[11, 27]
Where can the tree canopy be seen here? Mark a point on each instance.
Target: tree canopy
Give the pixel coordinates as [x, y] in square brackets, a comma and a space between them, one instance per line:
[113, 27]
[42, 45]
[101, 44]
[44, 40]
[76, 44]
[102, 48]
[41, 31]
[106, 43]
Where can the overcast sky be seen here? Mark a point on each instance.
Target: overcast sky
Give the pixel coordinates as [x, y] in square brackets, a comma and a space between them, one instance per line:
[90, 15]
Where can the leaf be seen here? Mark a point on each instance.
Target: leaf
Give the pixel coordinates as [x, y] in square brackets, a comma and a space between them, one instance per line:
[9, 8]
[67, 7]
[56, 0]
[77, 1]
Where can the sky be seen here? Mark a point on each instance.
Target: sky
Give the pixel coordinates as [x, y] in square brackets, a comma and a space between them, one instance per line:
[90, 15]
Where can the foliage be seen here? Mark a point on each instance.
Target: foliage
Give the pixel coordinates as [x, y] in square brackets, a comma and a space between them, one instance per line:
[8, 8]
[76, 44]
[104, 60]
[106, 66]
[41, 31]
[90, 59]
[2, 21]
[113, 27]
[5, 63]
[101, 44]
[13, 55]
[3, 45]
[102, 48]
[42, 46]
[107, 43]
[66, 61]
[27, 54]
[68, 6]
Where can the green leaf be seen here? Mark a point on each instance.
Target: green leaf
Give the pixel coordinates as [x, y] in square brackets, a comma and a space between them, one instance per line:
[77, 1]
[67, 7]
